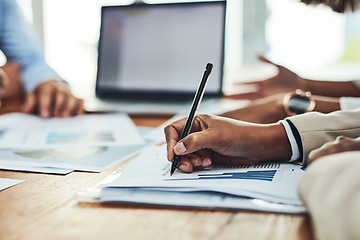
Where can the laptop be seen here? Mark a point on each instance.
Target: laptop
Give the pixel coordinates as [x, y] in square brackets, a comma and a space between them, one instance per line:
[151, 57]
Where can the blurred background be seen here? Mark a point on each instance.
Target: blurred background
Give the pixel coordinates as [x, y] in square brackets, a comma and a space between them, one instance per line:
[312, 41]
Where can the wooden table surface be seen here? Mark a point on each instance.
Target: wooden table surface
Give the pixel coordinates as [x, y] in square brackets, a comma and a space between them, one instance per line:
[45, 207]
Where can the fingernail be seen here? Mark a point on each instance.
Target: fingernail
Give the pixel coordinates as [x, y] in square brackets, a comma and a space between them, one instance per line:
[179, 148]
[45, 114]
[206, 162]
[183, 168]
[197, 162]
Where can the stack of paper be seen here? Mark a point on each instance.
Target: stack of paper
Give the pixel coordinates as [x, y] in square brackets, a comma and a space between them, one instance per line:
[59, 146]
[146, 180]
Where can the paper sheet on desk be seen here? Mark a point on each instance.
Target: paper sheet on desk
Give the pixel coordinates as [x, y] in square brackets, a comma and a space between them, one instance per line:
[33, 168]
[63, 161]
[6, 183]
[59, 146]
[149, 173]
[26, 131]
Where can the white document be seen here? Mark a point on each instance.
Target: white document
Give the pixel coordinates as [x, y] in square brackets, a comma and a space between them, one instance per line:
[146, 180]
[26, 131]
[203, 200]
[6, 183]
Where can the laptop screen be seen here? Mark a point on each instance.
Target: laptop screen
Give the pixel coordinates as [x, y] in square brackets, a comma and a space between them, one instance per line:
[160, 50]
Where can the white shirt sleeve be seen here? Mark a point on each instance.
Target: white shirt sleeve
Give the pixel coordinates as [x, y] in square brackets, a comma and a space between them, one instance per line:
[356, 83]
[18, 45]
[349, 103]
[294, 147]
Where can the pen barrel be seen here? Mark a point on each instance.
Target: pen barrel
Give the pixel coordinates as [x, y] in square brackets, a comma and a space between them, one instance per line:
[174, 164]
[194, 106]
[196, 102]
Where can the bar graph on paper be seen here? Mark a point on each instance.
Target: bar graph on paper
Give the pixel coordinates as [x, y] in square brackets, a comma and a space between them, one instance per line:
[266, 175]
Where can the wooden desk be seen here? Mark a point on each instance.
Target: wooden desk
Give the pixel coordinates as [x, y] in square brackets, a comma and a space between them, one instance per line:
[44, 207]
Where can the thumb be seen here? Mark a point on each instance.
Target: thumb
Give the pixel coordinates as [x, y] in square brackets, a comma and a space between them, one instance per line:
[30, 102]
[194, 142]
[266, 60]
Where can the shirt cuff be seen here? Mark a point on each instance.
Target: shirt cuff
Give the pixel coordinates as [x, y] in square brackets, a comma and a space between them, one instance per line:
[349, 103]
[294, 146]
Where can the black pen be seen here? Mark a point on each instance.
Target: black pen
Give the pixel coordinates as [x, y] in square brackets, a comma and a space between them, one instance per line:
[194, 106]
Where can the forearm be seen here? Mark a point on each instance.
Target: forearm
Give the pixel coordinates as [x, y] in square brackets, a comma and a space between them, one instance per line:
[15, 87]
[19, 46]
[271, 109]
[330, 88]
[273, 143]
[326, 104]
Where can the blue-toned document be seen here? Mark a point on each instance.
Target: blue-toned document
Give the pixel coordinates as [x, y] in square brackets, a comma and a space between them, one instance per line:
[90, 142]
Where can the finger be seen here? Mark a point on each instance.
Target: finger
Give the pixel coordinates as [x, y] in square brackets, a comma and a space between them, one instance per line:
[30, 103]
[80, 107]
[169, 148]
[176, 126]
[195, 160]
[316, 154]
[194, 142]
[69, 107]
[46, 93]
[185, 165]
[59, 103]
[311, 157]
[205, 162]
[262, 58]
[173, 133]
[253, 84]
[172, 137]
[324, 150]
[201, 159]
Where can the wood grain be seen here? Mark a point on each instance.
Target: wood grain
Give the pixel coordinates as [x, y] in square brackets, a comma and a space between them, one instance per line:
[45, 207]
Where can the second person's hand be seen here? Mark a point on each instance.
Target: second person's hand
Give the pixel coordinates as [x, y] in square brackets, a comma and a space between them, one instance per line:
[341, 144]
[53, 99]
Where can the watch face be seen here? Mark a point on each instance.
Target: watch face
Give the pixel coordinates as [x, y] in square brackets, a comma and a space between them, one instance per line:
[298, 104]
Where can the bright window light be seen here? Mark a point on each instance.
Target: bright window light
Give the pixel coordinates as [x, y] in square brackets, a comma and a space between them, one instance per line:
[304, 37]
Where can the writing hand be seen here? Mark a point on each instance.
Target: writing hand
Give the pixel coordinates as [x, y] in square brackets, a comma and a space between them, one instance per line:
[218, 140]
